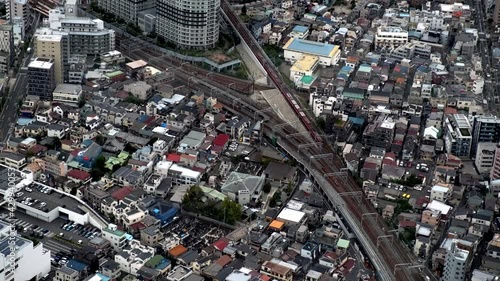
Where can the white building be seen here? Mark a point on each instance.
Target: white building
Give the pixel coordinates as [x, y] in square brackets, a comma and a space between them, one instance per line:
[133, 257]
[290, 216]
[485, 155]
[302, 72]
[127, 10]
[6, 47]
[440, 193]
[455, 264]
[118, 238]
[179, 175]
[32, 262]
[69, 94]
[327, 54]
[192, 24]
[391, 37]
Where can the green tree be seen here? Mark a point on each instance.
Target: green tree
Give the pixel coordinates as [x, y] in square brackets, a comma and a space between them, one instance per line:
[321, 123]
[266, 188]
[100, 139]
[244, 10]
[99, 168]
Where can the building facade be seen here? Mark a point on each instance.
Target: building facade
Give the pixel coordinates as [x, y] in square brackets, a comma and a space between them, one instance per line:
[41, 78]
[192, 24]
[51, 46]
[495, 170]
[127, 10]
[458, 135]
[455, 264]
[6, 47]
[485, 129]
[485, 155]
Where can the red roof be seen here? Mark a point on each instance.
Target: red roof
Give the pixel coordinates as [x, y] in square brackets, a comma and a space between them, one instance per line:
[221, 140]
[174, 157]
[405, 224]
[369, 165]
[122, 192]
[221, 243]
[224, 260]
[78, 174]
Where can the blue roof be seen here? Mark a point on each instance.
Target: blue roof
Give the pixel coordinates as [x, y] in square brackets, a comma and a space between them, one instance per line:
[143, 118]
[24, 121]
[346, 69]
[103, 277]
[76, 265]
[357, 120]
[310, 47]
[300, 28]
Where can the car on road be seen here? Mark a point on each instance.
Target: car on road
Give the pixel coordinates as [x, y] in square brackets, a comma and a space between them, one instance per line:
[27, 189]
[19, 194]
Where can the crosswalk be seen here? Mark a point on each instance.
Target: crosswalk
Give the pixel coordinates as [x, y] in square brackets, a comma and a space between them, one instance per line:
[27, 225]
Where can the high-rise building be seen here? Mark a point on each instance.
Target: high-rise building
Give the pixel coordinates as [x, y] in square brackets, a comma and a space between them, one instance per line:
[32, 261]
[485, 129]
[51, 46]
[495, 170]
[485, 156]
[41, 78]
[6, 47]
[17, 9]
[496, 12]
[457, 135]
[64, 36]
[191, 24]
[455, 264]
[127, 10]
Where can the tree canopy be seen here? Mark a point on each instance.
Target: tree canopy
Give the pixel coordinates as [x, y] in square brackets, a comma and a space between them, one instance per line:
[226, 211]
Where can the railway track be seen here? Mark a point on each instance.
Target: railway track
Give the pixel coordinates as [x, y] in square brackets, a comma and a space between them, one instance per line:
[390, 250]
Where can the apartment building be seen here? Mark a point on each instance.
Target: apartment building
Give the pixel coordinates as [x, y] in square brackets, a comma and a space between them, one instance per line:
[41, 78]
[51, 46]
[17, 9]
[456, 263]
[127, 10]
[86, 36]
[485, 155]
[31, 260]
[118, 238]
[390, 37]
[458, 135]
[495, 170]
[191, 24]
[485, 129]
[6, 47]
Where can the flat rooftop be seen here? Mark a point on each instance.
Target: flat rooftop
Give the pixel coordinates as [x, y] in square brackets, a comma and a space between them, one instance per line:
[311, 47]
[41, 63]
[306, 63]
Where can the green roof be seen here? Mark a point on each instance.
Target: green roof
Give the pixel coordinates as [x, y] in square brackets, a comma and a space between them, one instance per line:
[154, 261]
[342, 243]
[116, 232]
[212, 193]
[114, 73]
[307, 79]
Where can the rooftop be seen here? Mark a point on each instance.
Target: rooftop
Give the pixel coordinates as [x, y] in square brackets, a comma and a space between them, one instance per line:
[304, 64]
[311, 47]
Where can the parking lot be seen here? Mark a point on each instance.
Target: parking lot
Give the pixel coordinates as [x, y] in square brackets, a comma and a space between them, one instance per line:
[48, 233]
[44, 198]
[195, 233]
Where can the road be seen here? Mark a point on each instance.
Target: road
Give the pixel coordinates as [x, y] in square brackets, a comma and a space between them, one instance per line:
[9, 112]
[491, 75]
